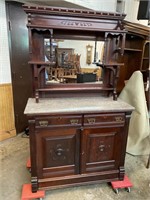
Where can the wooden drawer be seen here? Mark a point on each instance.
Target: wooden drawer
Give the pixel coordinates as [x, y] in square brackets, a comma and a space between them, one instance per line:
[99, 119]
[58, 121]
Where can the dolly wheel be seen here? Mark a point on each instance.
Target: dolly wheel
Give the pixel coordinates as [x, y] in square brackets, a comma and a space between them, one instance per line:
[128, 189]
[116, 191]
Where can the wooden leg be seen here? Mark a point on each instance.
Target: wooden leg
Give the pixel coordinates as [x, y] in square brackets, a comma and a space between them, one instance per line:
[148, 163]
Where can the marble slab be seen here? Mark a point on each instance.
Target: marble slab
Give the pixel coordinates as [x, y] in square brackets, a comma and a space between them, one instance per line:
[75, 105]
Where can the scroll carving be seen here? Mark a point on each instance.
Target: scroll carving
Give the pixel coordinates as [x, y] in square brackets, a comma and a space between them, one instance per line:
[76, 23]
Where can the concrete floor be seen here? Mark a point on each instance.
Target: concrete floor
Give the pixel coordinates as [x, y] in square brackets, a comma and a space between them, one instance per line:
[13, 174]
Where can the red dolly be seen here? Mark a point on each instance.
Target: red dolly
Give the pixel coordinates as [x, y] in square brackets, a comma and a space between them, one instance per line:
[122, 184]
[28, 195]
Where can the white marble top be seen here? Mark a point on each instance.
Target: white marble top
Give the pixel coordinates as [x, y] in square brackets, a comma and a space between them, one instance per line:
[75, 105]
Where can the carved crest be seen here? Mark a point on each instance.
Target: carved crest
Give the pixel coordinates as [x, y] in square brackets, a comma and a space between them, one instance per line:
[75, 23]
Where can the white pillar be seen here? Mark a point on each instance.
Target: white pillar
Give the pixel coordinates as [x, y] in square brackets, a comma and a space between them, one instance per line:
[101, 5]
[131, 9]
[5, 73]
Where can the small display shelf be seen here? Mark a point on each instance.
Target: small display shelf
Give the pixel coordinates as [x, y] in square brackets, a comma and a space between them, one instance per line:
[129, 49]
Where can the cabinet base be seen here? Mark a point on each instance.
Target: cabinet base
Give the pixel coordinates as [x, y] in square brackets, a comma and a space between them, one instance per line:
[76, 180]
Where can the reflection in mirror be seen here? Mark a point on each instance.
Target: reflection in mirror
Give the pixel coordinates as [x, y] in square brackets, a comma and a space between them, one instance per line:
[75, 61]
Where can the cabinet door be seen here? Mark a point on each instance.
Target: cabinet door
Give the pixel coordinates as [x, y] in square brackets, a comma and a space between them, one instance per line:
[101, 149]
[57, 152]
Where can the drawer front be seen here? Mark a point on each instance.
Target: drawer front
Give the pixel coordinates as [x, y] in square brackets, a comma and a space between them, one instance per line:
[98, 119]
[42, 122]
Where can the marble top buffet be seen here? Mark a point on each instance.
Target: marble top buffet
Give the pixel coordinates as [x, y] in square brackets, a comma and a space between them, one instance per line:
[78, 130]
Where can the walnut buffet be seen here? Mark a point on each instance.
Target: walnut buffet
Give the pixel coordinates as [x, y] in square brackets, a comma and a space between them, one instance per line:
[77, 141]
[78, 133]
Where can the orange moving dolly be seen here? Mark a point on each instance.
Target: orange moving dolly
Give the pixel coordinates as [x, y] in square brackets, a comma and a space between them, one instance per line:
[28, 164]
[28, 195]
[122, 184]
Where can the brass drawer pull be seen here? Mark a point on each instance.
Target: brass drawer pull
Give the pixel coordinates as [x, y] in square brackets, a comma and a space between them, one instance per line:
[91, 120]
[74, 121]
[43, 123]
[119, 119]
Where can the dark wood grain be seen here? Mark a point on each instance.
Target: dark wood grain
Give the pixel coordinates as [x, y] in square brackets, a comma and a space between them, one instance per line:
[77, 148]
[89, 150]
[76, 24]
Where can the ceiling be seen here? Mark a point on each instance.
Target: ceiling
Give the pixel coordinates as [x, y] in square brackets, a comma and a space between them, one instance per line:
[54, 3]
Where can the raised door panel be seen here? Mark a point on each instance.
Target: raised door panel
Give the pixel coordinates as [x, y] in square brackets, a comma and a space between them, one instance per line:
[101, 149]
[57, 152]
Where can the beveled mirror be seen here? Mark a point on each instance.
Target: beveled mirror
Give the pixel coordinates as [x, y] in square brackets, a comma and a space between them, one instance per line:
[71, 61]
